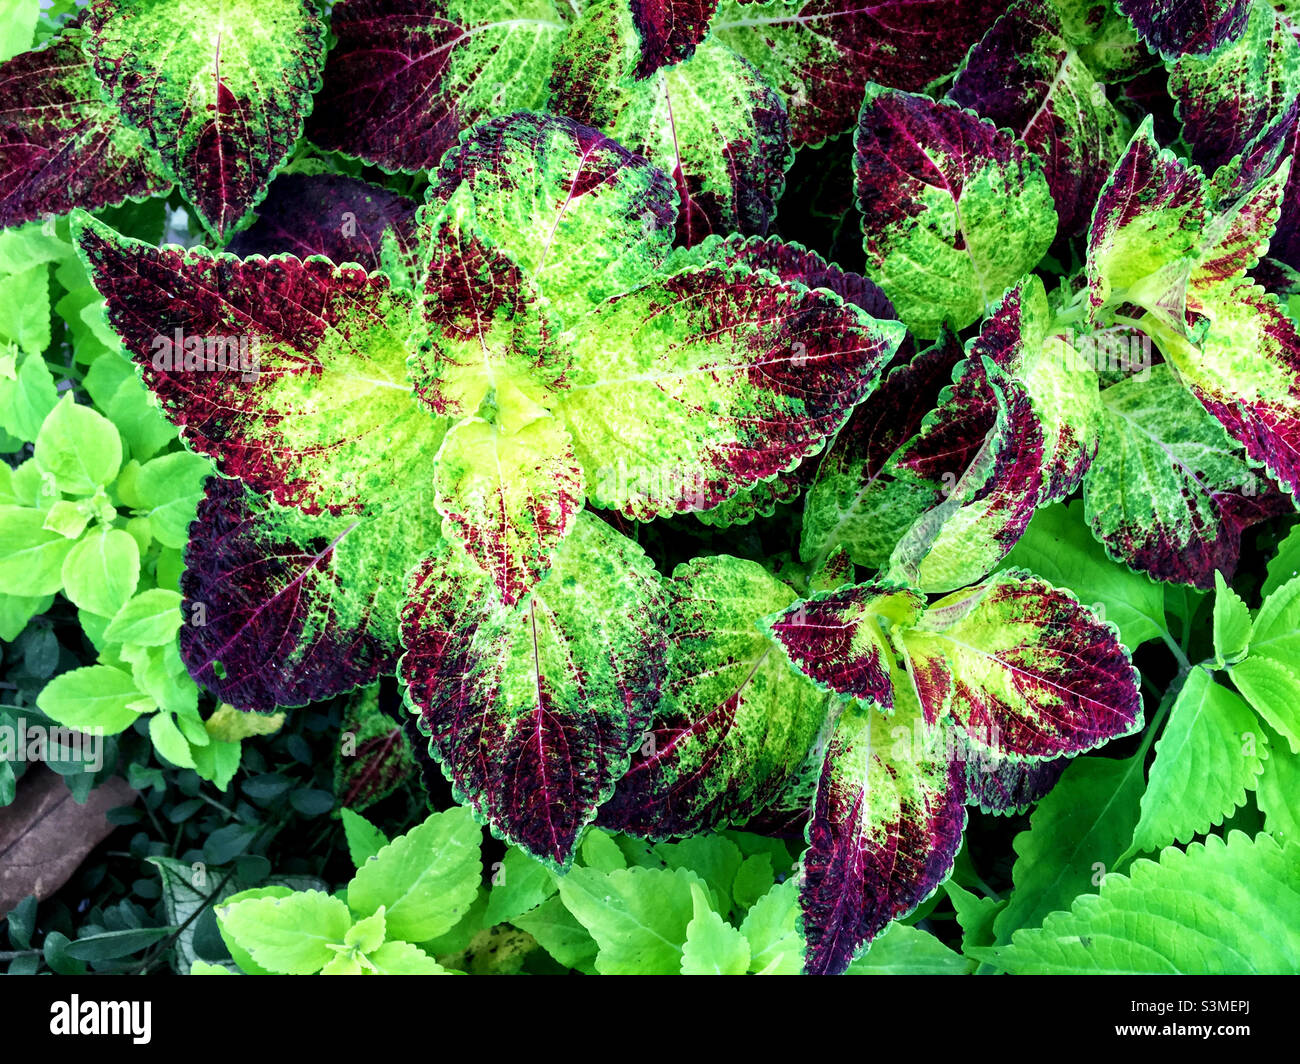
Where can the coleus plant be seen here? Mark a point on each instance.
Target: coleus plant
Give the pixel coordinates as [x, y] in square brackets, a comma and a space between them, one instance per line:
[545, 350]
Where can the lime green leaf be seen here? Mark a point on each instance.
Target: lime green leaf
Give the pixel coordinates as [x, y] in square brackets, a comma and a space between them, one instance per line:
[17, 25]
[168, 740]
[25, 310]
[150, 618]
[402, 958]
[1210, 754]
[98, 696]
[101, 571]
[1273, 688]
[904, 950]
[521, 883]
[290, 934]
[713, 946]
[364, 839]
[425, 879]
[27, 398]
[31, 556]
[1232, 624]
[78, 447]
[638, 916]
[1218, 908]
[776, 946]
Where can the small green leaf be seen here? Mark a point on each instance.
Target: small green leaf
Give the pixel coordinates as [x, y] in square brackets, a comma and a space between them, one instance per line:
[31, 556]
[401, 958]
[98, 696]
[78, 447]
[364, 839]
[1231, 624]
[290, 934]
[151, 618]
[101, 571]
[520, 883]
[367, 934]
[713, 946]
[904, 950]
[775, 945]
[1274, 690]
[168, 740]
[425, 879]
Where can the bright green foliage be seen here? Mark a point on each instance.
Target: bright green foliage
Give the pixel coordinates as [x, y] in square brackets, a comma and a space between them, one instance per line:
[1210, 754]
[713, 946]
[1218, 908]
[1232, 624]
[904, 950]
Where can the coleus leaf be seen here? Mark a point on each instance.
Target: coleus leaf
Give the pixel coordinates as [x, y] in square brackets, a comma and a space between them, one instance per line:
[758, 500]
[1247, 374]
[283, 608]
[887, 824]
[841, 638]
[1169, 492]
[315, 410]
[576, 215]
[511, 497]
[1179, 27]
[859, 499]
[669, 30]
[725, 378]
[406, 76]
[532, 709]
[1026, 77]
[1005, 785]
[61, 145]
[342, 218]
[821, 54]
[1146, 229]
[710, 121]
[735, 722]
[1023, 669]
[372, 759]
[226, 103]
[1227, 99]
[989, 504]
[953, 209]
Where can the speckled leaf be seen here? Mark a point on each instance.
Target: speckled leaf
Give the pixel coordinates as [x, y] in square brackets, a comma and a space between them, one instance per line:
[1005, 786]
[887, 823]
[406, 76]
[372, 758]
[220, 88]
[1225, 100]
[953, 209]
[821, 54]
[710, 122]
[1026, 77]
[988, 506]
[1146, 228]
[281, 608]
[1178, 27]
[1170, 492]
[1247, 374]
[575, 214]
[859, 499]
[316, 409]
[840, 638]
[708, 381]
[509, 497]
[791, 262]
[61, 144]
[342, 218]
[759, 500]
[735, 722]
[1238, 233]
[533, 709]
[669, 30]
[1023, 669]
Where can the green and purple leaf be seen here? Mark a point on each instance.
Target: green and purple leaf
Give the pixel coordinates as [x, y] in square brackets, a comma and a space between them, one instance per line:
[313, 407]
[533, 709]
[735, 722]
[669, 30]
[711, 121]
[406, 76]
[281, 608]
[342, 218]
[1023, 670]
[1181, 27]
[861, 498]
[61, 145]
[708, 381]
[887, 823]
[1170, 493]
[821, 54]
[373, 758]
[1004, 786]
[954, 210]
[1026, 77]
[219, 87]
[840, 638]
